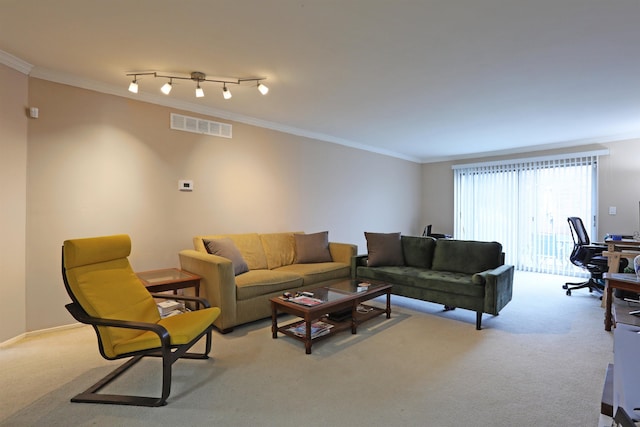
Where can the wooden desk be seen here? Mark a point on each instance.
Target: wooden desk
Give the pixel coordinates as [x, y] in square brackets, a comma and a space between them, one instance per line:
[617, 249]
[624, 281]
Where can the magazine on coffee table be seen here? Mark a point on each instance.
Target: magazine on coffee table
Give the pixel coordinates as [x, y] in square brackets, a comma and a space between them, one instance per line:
[318, 329]
[304, 300]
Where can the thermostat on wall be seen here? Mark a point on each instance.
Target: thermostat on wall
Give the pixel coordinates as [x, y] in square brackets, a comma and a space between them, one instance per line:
[185, 185]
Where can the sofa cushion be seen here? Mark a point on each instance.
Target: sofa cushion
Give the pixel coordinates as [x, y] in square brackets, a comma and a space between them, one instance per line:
[279, 248]
[249, 245]
[312, 248]
[466, 256]
[225, 247]
[418, 251]
[384, 249]
[319, 272]
[440, 281]
[254, 283]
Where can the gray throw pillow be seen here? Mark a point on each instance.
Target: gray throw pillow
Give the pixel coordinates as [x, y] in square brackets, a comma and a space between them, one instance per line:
[384, 249]
[225, 247]
[311, 248]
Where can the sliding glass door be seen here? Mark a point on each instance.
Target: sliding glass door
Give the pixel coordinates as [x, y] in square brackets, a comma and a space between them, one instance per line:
[525, 205]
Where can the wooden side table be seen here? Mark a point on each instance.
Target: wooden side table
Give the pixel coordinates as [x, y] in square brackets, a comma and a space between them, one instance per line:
[169, 279]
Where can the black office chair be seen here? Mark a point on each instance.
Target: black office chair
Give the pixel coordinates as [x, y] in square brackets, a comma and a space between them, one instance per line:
[588, 257]
[427, 233]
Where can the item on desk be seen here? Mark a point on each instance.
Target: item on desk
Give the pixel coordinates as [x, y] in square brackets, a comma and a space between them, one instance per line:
[636, 266]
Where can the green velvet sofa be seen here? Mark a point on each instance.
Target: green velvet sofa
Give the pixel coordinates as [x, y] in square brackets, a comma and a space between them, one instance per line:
[241, 272]
[456, 273]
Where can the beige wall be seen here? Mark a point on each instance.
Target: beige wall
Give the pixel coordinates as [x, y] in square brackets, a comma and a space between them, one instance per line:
[13, 179]
[96, 164]
[101, 164]
[618, 185]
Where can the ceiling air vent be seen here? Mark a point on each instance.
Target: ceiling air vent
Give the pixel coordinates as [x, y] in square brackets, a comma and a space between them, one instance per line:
[195, 125]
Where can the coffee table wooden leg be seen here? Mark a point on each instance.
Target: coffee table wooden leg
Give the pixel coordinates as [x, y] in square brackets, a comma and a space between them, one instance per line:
[354, 323]
[389, 305]
[274, 321]
[307, 341]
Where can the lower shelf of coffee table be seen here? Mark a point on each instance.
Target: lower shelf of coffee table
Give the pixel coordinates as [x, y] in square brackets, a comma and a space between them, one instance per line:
[337, 326]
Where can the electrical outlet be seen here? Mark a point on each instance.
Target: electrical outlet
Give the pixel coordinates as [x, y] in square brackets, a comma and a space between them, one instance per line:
[612, 210]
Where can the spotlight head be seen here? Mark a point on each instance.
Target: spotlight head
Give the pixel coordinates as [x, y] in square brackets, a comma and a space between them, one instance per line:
[199, 91]
[133, 86]
[263, 89]
[166, 88]
[225, 92]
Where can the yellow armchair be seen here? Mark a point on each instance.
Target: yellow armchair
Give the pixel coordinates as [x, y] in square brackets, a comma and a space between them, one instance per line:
[108, 295]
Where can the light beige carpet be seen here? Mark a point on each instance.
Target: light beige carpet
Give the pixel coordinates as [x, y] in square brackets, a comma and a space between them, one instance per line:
[540, 363]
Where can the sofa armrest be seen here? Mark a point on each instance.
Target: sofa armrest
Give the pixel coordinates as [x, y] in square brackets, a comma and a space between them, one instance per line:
[342, 252]
[358, 261]
[498, 288]
[217, 281]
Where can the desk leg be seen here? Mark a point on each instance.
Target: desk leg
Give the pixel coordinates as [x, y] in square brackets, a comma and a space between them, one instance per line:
[608, 318]
[614, 262]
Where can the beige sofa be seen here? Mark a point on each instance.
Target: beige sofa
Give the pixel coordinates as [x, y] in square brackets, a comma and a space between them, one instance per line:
[276, 262]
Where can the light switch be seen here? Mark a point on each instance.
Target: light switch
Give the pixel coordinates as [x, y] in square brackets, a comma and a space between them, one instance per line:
[612, 210]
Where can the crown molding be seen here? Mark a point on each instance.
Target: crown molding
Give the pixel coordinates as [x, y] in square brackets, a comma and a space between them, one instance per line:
[14, 62]
[72, 80]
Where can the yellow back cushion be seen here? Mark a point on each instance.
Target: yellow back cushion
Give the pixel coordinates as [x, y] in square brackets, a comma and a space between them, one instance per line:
[104, 284]
[279, 249]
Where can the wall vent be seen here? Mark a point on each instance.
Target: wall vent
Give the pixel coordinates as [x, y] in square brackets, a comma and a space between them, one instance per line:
[195, 125]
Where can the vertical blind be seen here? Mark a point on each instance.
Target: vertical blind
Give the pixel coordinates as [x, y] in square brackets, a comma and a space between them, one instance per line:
[525, 205]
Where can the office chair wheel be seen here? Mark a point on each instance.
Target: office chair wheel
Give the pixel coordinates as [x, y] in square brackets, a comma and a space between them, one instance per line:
[568, 292]
[565, 286]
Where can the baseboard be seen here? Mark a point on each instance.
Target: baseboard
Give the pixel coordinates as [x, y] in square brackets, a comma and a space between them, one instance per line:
[20, 337]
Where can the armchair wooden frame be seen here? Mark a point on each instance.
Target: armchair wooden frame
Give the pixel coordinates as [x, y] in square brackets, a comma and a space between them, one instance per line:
[168, 352]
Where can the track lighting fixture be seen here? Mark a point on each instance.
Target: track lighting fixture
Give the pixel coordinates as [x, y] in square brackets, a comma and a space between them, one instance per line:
[198, 77]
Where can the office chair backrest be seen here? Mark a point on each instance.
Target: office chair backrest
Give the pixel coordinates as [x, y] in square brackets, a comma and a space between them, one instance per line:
[578, 232]
[99, 278]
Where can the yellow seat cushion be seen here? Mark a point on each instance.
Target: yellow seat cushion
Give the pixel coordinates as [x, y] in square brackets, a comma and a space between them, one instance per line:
[262, 282]
[182, 328]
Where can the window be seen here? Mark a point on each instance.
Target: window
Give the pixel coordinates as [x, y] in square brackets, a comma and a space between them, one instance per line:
[524, 204]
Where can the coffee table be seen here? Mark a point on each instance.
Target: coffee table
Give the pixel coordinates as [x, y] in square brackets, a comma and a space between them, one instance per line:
[341, 297]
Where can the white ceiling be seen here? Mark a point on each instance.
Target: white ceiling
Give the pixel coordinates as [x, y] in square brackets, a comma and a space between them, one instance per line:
[424, 80]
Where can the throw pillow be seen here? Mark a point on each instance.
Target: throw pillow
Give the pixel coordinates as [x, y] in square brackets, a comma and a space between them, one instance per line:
[225, 247]
[312, 248]
[384, 249]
